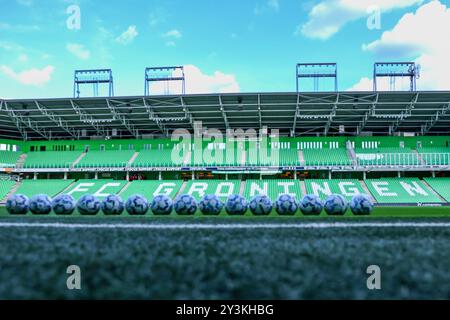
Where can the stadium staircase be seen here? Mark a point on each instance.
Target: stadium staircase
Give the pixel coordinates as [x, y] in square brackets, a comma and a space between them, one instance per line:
[441, 186]
[366, 191]
[69, 187]
[419, 157]
[125, 188]
[351, 153]
[433, 191]
[21, 160]
[7, 189]
[77, 161]
[242, 188]
[135, 155]
[301, 157]
[303, 187]
[187, 158]
[182, 188]
[244, 158]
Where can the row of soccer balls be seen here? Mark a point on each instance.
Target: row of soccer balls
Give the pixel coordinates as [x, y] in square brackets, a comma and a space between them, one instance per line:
[186, 205]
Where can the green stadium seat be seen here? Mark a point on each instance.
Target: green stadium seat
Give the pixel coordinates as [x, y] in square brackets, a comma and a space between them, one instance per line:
[221, 188]
[8, 159]
[441, 186]
[272, 188]
[150, 188]
[51, 159]
[5, 187]
[401, 190]
[43, 186]
[326, 157]
[99, 188]
[323, 188]
[104, 159]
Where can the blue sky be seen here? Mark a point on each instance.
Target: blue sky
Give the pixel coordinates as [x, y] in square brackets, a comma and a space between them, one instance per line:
[226, 46]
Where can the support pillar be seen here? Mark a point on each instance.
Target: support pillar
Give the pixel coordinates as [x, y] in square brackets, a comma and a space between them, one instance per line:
[329, 175]
[65, 175]
[159, 175]
[128, 176]
[96, 175]
[433, 174]
[35, 176]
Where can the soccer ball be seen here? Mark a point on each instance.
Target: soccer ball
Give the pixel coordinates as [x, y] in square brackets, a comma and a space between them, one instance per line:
[210, 205]
[137, 205]
[236, 205]
[63, 204]
[17, 204]
[336, 205]
[286, 205]
[361, 205]
[88, 205]
[112, 205]
[41, 204]
[185, 205]
[311, 205]
[162, 205]
[261, 205]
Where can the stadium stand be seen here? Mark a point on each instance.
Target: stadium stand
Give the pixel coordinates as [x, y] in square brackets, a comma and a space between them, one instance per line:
[441, 186]
[323, 188]
[272, 188]
[435, 156]
[221, 188]
[401, 190]
[154, 158]
[387, 156]
[326, 157]
[8, 159]
[150, 188]
[5, 187]
[51, 159]
[50, 187]
[98, 188]
[103, 159]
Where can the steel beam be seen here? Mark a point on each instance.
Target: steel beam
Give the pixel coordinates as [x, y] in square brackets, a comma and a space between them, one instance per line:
[125, 122]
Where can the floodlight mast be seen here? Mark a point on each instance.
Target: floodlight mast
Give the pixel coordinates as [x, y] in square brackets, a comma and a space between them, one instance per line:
[164, 74]
[316, 71]
[395, 70]
[95, 77]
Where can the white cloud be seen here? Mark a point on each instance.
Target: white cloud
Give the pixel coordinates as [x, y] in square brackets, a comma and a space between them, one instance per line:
[327, 17]
[128, 36]
[198, 82]
[171, 44]
[33, 77]
[423, 37]
[22, 57]
[78, 51]
[175, 34]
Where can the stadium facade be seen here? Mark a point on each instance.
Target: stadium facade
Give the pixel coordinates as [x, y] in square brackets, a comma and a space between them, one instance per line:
[123, 144]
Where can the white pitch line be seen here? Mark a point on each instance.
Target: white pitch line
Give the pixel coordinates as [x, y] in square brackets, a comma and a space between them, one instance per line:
[196, 226]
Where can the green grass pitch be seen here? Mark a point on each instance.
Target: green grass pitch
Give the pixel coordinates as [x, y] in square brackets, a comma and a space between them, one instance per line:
[231, 263]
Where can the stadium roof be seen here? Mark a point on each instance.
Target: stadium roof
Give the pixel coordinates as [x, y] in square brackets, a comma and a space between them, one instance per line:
[294, 114]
